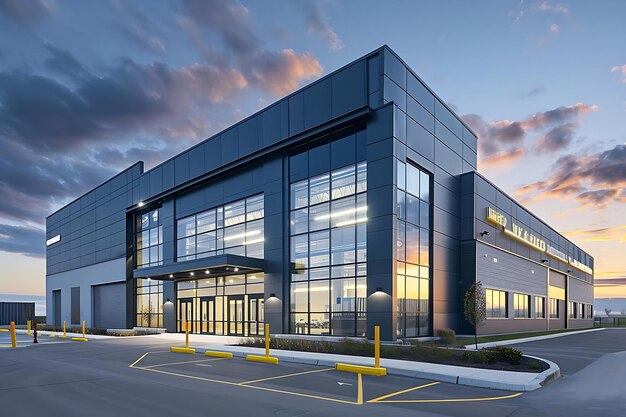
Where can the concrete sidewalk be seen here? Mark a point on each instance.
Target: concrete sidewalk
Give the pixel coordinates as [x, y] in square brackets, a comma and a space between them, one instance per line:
[475, 377]
[530, 339]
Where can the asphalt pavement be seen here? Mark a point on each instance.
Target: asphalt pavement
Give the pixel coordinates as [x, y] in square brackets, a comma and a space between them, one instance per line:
[138, 376]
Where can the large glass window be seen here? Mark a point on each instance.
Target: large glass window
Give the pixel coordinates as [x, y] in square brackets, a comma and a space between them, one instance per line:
[413, 250]
[572, 309]
[230, 305]
[149, 240]
[235, 228]
[521, 305]
[149, 309]
[328, 229]
[540, 307]
[554, 308]
[496, 303]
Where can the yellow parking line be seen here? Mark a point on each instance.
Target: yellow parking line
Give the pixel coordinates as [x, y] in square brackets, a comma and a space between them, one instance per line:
[248, 386]
[138, 360]
[393, 394]
[181, 363]
[454, 400]
[286, 376]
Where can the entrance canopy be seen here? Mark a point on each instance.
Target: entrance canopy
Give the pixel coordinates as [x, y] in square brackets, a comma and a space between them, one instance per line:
[220, 265]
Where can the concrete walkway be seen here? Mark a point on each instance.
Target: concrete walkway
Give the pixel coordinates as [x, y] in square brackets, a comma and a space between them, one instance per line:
[530, 339]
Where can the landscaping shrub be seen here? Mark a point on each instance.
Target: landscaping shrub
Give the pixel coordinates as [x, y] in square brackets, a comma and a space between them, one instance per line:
[446, 336]
[507, 354]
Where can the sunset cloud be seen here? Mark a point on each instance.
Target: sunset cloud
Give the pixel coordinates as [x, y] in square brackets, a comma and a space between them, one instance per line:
[554, 28]
[502, 141]
[604, 234]
[545, 6]
[595, 180]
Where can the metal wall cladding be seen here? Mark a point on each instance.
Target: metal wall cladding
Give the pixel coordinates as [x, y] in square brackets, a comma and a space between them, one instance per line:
[109, 306]
[16, 312]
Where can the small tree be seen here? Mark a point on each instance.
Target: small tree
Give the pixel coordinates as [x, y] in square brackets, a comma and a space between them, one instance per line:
[476, 308]
[607, 311]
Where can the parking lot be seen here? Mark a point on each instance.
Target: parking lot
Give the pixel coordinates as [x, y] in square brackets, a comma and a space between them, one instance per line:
[139, 376]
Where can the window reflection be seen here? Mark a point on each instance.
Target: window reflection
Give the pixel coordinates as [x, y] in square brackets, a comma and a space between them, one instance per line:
[149, 240]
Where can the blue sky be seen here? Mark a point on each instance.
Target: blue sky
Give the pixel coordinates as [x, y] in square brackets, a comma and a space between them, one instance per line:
[88, 88]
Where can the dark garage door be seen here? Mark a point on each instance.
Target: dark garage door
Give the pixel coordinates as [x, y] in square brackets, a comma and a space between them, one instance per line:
[109, 305]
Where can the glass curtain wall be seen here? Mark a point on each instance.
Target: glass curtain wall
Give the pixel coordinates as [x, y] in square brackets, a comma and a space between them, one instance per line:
[413, 251]
[149, 239]
[328, 252]
[231, 305]
[235, 228]
[149, 309]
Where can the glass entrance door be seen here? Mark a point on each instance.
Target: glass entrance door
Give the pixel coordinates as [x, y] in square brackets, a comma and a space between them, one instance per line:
[185, 314]
[235, 315]
[207, 315]
[255, 315]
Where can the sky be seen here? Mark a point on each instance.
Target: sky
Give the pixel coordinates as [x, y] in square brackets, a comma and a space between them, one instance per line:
[87, 88]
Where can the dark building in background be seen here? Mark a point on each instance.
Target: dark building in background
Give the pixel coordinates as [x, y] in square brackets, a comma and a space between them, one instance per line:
[352, 202]
[17, 312]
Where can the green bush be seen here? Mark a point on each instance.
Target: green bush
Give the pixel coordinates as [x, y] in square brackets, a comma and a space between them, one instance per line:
[534, 364]
[505, 353]
[88, 330]
[480, 357]
[467, 356]
[446, 336]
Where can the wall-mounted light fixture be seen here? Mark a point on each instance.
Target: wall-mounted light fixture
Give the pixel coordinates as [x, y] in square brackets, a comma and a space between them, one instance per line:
[149, 279]
[171, 276]
[168, 301]
[236, 269]
[545, 261]
[484, 233]
[141, 204]
[272, 297]
[569, 271]
[191, 273]
[207, 272]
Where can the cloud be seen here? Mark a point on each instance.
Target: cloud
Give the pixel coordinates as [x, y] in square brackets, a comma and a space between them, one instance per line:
[275, 72]
[280, 73]
[139, 27]
[40, 111]
[25, 11]
[545, 6]
[557, 138]
[554, 28]
[502, 141]
[604, 234]
[609, 282]
[620, 69]
[316, 22]
[25, 240]
[594, 180]
[533, 92]
[64, 63]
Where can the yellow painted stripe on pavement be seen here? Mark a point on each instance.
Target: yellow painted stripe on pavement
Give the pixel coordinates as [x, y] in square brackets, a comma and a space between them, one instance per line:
[250, 386]
[393, 394]
[138, 360]
[286, 376]
[182, 363]
[454, 400]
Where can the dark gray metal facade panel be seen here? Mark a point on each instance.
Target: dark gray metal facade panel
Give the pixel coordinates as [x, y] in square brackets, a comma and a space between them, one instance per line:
[17, 312]
[487, 195]
[92, 227]
[109, 305]
[580, 292]
[504, 271]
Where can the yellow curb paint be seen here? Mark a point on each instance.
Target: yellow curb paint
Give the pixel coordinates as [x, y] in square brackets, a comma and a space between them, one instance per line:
[367, 370]
[80, 339]
[264, 359]
[393, 394]
[454, 400]
[182, 350]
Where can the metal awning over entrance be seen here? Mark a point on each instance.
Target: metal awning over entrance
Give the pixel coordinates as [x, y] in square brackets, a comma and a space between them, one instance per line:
[220, 265]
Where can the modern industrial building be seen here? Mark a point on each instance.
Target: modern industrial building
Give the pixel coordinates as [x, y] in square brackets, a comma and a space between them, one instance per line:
[352, 202]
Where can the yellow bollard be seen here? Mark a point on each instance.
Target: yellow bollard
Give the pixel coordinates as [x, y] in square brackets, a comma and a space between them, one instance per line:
[13, 341]
[377, 346]
[83, 329]
[267, 358]
[267, 340]
[64, 332]
[28, 327]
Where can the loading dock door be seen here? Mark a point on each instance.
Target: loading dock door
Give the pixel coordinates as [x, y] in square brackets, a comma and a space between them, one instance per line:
[109, 306]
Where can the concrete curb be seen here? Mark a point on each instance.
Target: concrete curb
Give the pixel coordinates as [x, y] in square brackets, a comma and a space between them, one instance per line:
[530, 339]
[474, 377]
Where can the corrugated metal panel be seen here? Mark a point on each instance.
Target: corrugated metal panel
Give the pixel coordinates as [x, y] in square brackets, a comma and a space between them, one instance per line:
[17, 312]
